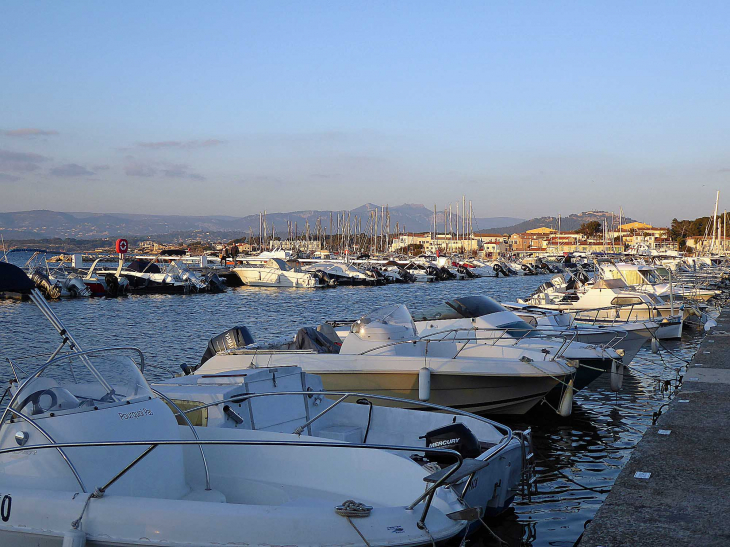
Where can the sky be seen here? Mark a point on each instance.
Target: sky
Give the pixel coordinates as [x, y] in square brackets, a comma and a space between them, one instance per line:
[232, 107]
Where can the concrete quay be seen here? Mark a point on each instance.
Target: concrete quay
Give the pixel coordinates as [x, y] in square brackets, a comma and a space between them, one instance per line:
[686, 499]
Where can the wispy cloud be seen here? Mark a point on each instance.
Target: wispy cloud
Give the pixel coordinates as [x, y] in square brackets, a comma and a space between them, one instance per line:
[146, 168]
[181, 171]
[724, 170]
[20, 162]
[29, 132]
[100, 167]
[139, 169]
[4, 177]
[71, 170]
[186, 145]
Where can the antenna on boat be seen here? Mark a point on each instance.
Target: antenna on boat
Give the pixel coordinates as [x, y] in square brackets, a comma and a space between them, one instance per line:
[5, 252]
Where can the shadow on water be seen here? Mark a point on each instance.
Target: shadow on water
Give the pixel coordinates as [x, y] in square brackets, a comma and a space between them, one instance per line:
[577, 458]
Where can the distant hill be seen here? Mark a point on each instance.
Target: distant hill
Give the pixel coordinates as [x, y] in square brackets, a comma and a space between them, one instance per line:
[568, 223]
[44, 224]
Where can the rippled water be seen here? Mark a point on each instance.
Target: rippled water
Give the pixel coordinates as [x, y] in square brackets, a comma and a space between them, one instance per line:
[578, 458]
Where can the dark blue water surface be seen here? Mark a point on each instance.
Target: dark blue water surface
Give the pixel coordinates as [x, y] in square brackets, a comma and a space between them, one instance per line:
[578, 458]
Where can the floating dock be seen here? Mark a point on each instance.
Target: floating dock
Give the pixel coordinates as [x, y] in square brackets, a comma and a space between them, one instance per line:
[675, 489]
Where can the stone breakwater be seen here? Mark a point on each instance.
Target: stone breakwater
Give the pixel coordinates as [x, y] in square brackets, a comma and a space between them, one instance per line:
[675, 489]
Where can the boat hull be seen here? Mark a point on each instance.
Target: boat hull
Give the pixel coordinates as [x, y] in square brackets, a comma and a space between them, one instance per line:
[479, 394]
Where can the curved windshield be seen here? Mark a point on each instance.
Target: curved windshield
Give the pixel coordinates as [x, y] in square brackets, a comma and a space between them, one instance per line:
[395, 314]
[518, 329]
[459, 308]
[81, 382]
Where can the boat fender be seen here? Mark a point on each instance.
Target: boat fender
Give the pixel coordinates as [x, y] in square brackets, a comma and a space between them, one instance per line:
[566, 402]
[424, 384]
[654, 345]
[74, 538]
[617, 376]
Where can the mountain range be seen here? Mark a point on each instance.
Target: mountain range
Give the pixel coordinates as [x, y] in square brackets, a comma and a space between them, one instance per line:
[568, 223]
[44, 224]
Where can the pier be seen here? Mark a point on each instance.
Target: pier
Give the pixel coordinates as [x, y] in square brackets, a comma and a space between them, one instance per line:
[675, 489]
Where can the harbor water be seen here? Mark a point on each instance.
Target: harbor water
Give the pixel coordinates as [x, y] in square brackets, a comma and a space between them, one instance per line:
[577, 458]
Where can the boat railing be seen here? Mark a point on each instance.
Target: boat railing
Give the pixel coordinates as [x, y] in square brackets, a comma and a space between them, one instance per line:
[507, 433]
[151, 444]
[587, 315]
[502, 333]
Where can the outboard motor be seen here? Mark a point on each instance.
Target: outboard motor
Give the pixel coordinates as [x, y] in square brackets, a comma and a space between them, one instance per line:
[445, 274]
[528, 270]
[215, 284]
[435, 272]
[325, 278]
[453, 437]
[50, 290]
[237, 337]
[463, 270]
[112, 285]
[406, 276]
[498, 269]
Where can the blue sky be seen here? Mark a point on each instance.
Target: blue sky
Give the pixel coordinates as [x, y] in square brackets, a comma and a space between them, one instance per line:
[528, 108]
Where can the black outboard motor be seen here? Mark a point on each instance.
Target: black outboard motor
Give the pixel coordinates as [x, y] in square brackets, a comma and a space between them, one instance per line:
[445, 274]
[237, 337]
[463, 270]
[406, 276]
[325, 278]
[498, 269]
[215, 283]
[454, 437]
[112, 285]
[528, 270]
[435, 272]
[50, 290]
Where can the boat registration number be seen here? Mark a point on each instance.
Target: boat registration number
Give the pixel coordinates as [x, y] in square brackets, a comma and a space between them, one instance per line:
[5, 506]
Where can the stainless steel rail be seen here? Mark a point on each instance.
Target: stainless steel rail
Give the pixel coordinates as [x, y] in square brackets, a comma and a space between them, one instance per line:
[428, 494]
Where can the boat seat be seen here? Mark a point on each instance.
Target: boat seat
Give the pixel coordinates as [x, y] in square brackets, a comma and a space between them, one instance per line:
[467, 468]
[210, 496]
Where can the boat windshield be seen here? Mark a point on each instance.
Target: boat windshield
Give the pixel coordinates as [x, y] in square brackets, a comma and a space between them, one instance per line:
[75, 383]
[278, 264]
[395, 314]
[460, 308]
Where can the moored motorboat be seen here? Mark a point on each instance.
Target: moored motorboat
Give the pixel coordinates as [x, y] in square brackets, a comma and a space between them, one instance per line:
[89, 452]
[384, 355]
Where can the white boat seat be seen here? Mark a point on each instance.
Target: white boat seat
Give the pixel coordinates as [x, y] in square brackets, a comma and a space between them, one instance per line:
[467, 468]
[210, 496]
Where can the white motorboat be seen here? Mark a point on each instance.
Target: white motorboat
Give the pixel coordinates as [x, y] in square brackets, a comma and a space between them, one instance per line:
[55, 282]
[271, 399]
[384, 355]
[645, 278]
[276, 273]
[607, 301]
[89, 452]
[486, 324]
[626, 338]
[341, 273]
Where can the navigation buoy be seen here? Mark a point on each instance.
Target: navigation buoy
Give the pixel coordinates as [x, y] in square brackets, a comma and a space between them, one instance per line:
[617, 376]
[74, 538]
[566, 403]
[424, 384]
